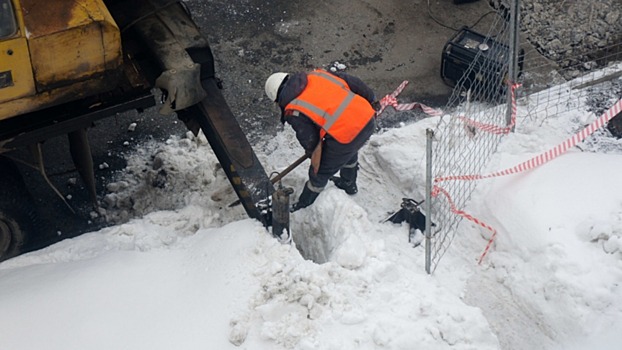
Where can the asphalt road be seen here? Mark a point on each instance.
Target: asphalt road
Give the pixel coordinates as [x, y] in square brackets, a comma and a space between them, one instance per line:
[381, 41]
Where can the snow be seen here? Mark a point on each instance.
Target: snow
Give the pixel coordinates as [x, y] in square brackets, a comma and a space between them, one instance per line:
[190, 273]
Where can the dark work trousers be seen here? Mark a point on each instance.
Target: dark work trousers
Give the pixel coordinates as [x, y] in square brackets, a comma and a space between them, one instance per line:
[335, 155]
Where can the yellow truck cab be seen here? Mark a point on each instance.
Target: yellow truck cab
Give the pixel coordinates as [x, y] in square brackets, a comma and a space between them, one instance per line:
[54, 52]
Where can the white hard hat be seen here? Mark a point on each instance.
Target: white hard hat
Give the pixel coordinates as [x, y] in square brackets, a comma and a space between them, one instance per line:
[273, 83]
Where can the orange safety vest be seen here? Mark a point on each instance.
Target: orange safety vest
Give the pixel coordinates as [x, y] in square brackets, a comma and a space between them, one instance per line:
[328, 101]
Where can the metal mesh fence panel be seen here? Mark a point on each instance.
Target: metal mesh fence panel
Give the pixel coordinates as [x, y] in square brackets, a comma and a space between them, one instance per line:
[551, 80]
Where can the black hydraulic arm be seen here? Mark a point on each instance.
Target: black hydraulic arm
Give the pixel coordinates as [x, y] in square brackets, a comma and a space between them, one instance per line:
[175, 55]
[234, 152]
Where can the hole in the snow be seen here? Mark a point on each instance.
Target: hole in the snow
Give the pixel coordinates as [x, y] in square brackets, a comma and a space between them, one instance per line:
[313, 244]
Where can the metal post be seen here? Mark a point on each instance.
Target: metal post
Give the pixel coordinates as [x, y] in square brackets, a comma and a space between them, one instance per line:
[428, 201]
[514, 46]
[280, 214]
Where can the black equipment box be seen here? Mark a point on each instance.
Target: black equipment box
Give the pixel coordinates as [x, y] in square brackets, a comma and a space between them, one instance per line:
[489, 58]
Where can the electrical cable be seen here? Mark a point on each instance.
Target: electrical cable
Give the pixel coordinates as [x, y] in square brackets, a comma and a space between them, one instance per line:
[454, 29]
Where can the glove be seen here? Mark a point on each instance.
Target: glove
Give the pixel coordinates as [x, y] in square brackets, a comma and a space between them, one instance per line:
[376, 106]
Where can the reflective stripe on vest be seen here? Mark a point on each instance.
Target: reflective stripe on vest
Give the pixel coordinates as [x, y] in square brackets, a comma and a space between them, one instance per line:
[328, 101]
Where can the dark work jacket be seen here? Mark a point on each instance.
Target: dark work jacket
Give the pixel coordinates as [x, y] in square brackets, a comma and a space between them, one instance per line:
[307, 132]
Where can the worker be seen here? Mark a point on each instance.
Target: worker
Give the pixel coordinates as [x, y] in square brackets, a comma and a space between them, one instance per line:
[333, 116]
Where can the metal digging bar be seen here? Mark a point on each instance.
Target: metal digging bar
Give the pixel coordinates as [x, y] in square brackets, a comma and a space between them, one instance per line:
[280, 204]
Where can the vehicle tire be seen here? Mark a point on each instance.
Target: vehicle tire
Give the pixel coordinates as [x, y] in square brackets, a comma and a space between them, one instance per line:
[17, 211]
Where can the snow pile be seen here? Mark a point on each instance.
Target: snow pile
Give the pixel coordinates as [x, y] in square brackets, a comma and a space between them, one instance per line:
[182, 171]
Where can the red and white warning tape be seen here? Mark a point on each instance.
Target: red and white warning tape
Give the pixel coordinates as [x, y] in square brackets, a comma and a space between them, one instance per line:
[548, 155]
[391, 100]
[436, 190]
[495, 129]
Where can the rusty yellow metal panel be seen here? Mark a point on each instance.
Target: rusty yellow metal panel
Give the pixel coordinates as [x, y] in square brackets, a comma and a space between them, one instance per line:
[15, 73]
[64, 50]
[16, 78]
[70, 41]
[44, 17]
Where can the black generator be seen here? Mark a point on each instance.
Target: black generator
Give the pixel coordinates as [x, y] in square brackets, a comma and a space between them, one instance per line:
[487, 78]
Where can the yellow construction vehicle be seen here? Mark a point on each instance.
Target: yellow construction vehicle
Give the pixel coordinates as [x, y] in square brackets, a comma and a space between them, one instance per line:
[67, 63]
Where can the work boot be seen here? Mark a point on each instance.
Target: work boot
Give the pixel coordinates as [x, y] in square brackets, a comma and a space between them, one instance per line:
[307, 197]
[347, 179]
[348, 186]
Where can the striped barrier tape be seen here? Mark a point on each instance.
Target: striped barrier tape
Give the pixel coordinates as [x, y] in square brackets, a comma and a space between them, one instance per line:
[548, 155]
[494, 129]
[391, 100]
[436, 190]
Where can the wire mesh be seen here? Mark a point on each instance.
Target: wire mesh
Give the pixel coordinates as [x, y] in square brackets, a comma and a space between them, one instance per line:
[551, 82]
